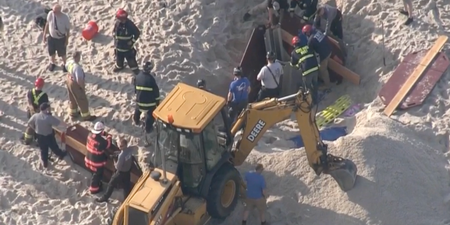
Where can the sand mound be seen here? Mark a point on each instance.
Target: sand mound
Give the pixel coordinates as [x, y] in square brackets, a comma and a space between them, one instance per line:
[402, 179]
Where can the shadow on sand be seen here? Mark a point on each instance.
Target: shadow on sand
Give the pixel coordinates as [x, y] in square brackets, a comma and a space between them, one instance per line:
[284, 207]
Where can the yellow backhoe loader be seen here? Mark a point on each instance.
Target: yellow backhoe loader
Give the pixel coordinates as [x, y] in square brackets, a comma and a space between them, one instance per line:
[196, 151]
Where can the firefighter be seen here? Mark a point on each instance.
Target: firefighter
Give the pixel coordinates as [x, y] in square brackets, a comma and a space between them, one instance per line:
[147, 96]
[122, 176]
[75, 82]
[321, 45]
[96, 157]
[125, 35]
[35, 98]
[309, 8]
[303, 57]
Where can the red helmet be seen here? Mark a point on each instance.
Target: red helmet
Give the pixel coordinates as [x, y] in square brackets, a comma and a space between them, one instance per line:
[39, 83]
[307, 29]
[295, 40]
[121, 14]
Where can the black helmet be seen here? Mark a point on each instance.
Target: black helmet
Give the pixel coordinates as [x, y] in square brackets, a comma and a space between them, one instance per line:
[237, 71]
[147, 67]
[270, 55]
[201, 83]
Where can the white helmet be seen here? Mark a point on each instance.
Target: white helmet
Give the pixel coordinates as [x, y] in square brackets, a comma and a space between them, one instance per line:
[98, 128]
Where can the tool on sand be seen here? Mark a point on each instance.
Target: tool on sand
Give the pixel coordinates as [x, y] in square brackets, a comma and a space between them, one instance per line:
[330, 113]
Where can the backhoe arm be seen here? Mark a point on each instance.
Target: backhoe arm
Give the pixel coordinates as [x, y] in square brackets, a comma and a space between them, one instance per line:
[254, 121]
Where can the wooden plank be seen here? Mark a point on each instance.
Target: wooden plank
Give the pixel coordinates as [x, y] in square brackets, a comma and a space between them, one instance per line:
[344, 71]
[415, 75]
[332, 64]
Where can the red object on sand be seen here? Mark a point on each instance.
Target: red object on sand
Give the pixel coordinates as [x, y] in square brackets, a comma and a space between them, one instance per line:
[90, 31]
[424, 85]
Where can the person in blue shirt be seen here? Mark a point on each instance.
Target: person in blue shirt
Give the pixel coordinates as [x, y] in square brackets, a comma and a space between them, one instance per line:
[256, 194]
[322, 47]
[238, 94]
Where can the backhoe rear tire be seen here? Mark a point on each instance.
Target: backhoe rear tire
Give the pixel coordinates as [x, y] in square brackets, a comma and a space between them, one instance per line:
[223, 192]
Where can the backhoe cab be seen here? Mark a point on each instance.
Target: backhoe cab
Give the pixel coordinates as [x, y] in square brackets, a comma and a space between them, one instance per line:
[196, 151]
[194, 177]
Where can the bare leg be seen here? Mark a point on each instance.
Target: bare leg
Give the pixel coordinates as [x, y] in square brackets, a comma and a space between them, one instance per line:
[262, 216]
[245, 216]
[409, 8]
[53, 59]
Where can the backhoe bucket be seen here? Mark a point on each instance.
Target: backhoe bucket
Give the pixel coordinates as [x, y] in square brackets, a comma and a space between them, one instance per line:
[345, 176]
[75, 141]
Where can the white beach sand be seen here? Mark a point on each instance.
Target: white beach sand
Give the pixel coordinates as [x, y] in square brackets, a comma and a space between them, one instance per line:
[402, 161]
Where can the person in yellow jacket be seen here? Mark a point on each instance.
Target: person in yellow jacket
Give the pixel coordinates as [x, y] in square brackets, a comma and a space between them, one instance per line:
[79, 104]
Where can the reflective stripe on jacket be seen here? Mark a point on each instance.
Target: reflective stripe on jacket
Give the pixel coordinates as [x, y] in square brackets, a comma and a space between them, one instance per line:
[125, 35]
[304, 58]
[96, 147]
[147, 91]
[36, 98]
[71, 65]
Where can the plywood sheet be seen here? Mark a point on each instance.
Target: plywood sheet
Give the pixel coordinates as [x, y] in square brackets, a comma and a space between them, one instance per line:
[415, 76]
[424, 85]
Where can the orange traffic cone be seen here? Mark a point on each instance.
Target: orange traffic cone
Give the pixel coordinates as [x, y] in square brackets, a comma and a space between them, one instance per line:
[90, 30]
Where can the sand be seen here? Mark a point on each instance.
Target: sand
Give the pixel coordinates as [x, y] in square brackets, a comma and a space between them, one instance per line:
[403, 161]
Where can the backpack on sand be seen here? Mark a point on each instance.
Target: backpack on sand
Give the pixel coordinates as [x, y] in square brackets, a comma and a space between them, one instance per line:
[40, 20]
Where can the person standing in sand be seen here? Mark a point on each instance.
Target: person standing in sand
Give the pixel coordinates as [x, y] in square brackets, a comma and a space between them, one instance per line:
[407, 11]
[256, 194]
[35, 97]
[122, 175]
[58, 29]
[76, 88]
[270, 76]
[42, 123]
[96, 158]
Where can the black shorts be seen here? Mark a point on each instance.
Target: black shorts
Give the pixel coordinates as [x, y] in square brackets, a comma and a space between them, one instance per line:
[56, 45]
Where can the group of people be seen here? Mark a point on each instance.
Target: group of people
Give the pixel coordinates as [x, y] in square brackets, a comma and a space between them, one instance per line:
[41, 121]
[309, 11]
[97, 146]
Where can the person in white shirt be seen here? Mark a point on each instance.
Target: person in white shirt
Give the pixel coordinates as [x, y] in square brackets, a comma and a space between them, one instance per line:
[58, 28]
[270, 78]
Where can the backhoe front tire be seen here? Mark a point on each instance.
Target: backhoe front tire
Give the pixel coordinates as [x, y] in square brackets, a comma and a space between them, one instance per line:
[224, 192]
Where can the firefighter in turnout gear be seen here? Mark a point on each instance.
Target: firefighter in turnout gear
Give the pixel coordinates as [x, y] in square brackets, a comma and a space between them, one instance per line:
[304, 58]
[96, 157]
[125, 35]
[318, 42]
[147, 96]
[75, 82]
[35, 98]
